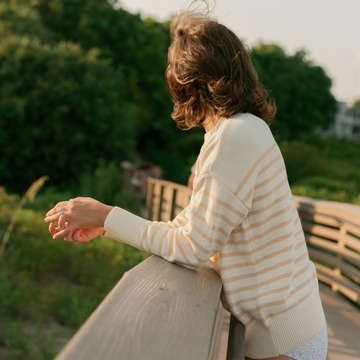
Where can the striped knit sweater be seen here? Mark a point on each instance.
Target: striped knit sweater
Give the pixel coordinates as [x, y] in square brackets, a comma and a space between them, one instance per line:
[243, 218]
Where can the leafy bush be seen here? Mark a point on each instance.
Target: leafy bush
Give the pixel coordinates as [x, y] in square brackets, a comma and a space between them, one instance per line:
[300, 88]
[64, 106]
[303, 160]
[327, 189]
[56, 279]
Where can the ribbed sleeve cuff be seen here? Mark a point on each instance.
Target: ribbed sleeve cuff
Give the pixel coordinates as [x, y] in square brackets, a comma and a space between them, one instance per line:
[125, 226]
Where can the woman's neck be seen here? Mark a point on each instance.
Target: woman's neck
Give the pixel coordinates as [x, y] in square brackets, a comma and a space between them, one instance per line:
[210, 123]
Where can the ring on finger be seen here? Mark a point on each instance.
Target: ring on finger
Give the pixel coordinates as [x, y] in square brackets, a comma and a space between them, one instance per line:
[60, 213]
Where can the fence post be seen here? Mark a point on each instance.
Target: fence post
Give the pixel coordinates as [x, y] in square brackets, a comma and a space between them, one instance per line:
[340, 244]
[236, 344]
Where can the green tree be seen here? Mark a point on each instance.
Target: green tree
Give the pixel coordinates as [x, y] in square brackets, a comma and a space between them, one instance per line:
[300, 88]
[61, 109]
[357, 103]
[19, 18]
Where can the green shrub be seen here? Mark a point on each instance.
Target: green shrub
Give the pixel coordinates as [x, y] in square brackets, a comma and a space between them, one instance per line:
[303, 160]
[326, 189]
[64, 106]
[64, 281]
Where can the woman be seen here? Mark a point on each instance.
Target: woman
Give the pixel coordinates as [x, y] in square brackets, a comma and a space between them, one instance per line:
[241, 214]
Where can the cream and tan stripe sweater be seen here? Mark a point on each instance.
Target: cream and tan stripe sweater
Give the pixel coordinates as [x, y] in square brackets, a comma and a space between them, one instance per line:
[243, 218]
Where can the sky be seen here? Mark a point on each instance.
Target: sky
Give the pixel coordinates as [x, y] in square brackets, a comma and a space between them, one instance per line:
[329, 30]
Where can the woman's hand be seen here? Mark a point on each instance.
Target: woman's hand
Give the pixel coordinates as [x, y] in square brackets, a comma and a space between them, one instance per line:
[79, 235]
[81, 216]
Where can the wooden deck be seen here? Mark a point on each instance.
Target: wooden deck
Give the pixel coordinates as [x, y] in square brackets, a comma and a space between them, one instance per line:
[343, 325]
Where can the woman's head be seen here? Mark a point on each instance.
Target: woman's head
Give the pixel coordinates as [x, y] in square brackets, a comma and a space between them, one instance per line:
[210, 73]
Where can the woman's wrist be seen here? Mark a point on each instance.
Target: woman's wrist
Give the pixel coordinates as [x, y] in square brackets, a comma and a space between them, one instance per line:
[105, 211]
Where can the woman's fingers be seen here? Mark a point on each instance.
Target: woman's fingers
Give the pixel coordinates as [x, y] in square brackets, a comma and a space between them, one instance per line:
[53, 230]
[64, 232]
[69, 237]
[77, 235]
[57, 208]
[61, 222]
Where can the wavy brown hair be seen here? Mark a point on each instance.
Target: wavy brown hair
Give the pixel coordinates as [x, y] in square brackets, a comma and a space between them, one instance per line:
[210, 73]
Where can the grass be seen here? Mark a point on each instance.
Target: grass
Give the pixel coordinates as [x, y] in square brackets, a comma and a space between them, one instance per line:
[45, 281]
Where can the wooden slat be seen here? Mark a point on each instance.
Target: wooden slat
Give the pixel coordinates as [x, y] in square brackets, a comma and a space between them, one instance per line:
[342, 211]
[320, 219]
[149, 199]
[344, 285]
[332, 234]
[346, 268]
[157, 311]
[353, 229]
[167, 204]
[156, 202]
[320, 230]
[327, 245]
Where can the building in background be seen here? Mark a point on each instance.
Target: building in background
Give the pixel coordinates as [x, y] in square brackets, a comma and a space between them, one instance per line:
[346, 123]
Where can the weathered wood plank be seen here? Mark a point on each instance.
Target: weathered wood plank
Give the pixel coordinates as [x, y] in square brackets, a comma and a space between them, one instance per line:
[333, 247]
[333, 234]
[344, 285]
[319, 218]
[342, 211]
[152, 314]
[346, 268]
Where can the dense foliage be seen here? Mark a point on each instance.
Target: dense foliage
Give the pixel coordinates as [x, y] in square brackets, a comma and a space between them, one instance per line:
[47, 284]
[82, 81]
[301, 91]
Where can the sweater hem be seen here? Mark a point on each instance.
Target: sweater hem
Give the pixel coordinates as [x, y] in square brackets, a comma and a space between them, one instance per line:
[290, 330]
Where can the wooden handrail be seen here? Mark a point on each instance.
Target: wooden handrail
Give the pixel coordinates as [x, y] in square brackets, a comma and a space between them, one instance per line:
[332, 232]
[157, 311]
[160, 310]
[164, 201]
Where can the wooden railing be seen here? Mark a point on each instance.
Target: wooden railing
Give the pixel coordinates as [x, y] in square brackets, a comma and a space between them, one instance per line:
[165, 199]
[332, 232]
[160, 310]
[157, 311]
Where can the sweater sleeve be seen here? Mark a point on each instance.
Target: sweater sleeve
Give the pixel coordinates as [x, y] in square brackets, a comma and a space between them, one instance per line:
[192, 238]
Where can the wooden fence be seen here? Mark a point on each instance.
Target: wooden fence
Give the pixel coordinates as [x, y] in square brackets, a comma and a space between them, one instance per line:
[157, 311]
[160, 310]
[332, 232]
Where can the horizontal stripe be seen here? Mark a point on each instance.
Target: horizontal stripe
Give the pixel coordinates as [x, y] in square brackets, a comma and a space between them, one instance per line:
[277, 187]
[267, 207]
[162, 242]
[259, 248]
[254, 298]
[269, 281]
[187, 260]
[222, 203]
[152, 238]
[216, 214]
[270, 164]
[206, 237]
[189, 244]
[263, 271]
[211, 226]
[253, 168]
[282, 301]
[260, 260]
[248, 195]
[271, 216]
[259, 236]
[301, 257]
[270, 178]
